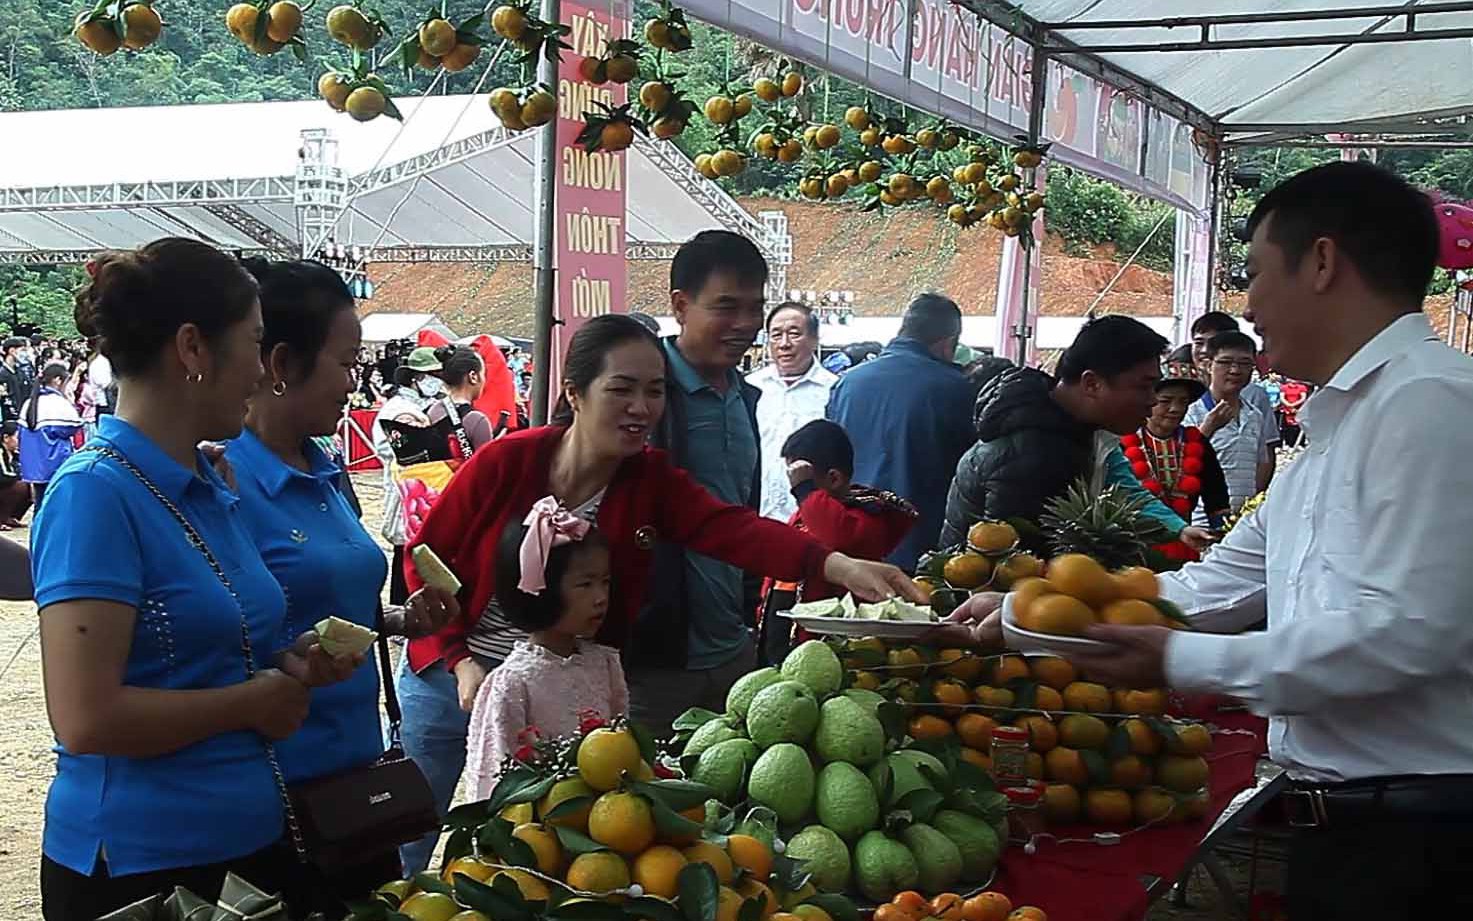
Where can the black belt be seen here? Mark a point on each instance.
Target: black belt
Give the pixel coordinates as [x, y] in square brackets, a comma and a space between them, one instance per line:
[1424, 798]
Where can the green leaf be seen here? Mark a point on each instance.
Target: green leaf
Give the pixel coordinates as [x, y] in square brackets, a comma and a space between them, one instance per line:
[1165, 729]
[699, 892]
[519, 785]
[575, 842]
[487, 899]
[672, 824]
[588, 911]
[649, 908]
[646, 741]
[1170, 611]
[469, 815]
[522, 909]
[429, 882]
[694, 718]
[392, 110]
[496, 836]
[922, 804]
[885, 782]
[571, 806]
[838, 907]
[1118, 744]
[299, 50]
[892, 717]
[967, 775]
[677, 794]
[751, 909]
[459, 843]
[788, 873]
[1025, 693]
[1098, 767]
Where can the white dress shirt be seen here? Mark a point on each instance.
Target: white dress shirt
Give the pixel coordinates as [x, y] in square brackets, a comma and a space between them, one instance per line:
[1362, 557]
[785, 407]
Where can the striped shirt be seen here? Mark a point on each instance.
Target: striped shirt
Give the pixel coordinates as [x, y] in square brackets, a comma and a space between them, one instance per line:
[493, 637]
[1241, 445]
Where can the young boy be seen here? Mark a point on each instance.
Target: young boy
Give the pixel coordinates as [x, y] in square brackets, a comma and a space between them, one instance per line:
[1235, 427]
[864, 523]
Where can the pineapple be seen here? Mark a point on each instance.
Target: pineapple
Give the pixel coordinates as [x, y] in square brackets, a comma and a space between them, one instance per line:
[1108, 527]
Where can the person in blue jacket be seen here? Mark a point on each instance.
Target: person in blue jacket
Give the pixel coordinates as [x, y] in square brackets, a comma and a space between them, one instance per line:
[294, 506]
[906, 412]
[165, 688]
[49, 422]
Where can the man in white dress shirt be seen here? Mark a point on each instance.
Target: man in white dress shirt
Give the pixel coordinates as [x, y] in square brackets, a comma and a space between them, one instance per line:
[795, 389]
[1360, 557]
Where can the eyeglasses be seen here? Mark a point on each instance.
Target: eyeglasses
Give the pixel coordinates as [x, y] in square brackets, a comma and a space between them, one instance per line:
[1229, 364]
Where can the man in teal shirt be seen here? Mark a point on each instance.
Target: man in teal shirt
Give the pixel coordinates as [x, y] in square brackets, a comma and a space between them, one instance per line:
[693, 637]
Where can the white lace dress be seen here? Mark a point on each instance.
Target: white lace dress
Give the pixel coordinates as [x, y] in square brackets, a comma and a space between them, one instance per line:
[537, 687]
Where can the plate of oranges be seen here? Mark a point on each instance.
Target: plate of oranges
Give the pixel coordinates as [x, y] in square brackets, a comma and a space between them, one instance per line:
[1050, 614]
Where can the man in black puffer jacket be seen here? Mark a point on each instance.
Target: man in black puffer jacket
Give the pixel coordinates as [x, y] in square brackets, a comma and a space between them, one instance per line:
[1036, 436]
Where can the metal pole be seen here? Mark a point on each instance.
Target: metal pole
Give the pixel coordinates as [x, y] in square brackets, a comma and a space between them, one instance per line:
[1214, 225]
[545, 246]
[1039, 81]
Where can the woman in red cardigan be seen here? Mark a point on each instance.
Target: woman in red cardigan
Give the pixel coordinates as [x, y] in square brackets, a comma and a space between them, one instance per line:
[600, 467]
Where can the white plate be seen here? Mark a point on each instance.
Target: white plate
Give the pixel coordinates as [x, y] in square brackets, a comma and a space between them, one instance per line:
[1015, 637]
[858, 626]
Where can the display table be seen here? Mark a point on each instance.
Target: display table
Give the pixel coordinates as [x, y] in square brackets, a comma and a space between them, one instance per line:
[356, 433]
[1073, 879]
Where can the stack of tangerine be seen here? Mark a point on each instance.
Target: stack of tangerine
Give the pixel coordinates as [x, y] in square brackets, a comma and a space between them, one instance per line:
[1076, 592]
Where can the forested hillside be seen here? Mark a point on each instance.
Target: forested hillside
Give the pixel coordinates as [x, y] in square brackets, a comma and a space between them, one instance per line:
[197, 61]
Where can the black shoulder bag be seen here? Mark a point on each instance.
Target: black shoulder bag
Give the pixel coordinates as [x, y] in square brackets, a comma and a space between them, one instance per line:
[347, 818]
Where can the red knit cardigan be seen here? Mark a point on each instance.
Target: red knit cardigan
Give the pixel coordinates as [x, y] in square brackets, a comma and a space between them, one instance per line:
[648, 500]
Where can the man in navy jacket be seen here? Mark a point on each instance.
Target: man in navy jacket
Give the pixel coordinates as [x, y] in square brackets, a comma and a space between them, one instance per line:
[907, 412]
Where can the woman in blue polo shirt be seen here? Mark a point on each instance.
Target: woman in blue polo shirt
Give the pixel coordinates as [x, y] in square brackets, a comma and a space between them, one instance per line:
[159, 682]
[310, 536]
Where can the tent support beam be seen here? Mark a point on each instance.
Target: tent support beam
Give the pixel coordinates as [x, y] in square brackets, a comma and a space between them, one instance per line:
[545, 252]
[1229, 19]
[1441, 144]
[1300, 41]
[1039, 85]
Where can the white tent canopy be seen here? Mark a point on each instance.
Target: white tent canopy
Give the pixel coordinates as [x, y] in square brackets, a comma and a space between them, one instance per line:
[452, 185]
[379, 328]
[1292, 67]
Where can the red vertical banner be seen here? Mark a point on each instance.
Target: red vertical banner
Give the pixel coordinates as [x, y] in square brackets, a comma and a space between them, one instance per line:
[591, 188]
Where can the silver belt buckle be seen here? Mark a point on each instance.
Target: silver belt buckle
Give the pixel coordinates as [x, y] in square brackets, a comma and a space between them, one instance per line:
[1312, 803]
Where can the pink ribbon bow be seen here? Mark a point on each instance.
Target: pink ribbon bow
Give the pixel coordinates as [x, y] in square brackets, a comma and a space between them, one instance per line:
[549, 525]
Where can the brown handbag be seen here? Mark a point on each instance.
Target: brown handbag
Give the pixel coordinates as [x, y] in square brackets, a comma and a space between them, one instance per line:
[351, 817]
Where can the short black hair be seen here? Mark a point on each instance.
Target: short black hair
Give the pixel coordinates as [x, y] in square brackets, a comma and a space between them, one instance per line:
[10, 427]
[809, 316]
[1231, 340]
[712, 251]
[14, 342]
[1384, 226]
[1214, 321]
[931, 318]
[299, 301]
[823, 444]
[534, 612]
[1110, 346]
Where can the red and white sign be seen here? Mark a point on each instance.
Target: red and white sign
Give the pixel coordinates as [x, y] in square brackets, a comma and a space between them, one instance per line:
[592, 188]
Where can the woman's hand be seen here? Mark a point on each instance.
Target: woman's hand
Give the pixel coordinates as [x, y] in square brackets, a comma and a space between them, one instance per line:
[278, 703]
[310, 664]
[469, 675]
[424, 614]
[869, 581]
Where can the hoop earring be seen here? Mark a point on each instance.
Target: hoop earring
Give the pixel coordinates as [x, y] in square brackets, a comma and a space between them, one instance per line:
[279, 388]
[194, 378]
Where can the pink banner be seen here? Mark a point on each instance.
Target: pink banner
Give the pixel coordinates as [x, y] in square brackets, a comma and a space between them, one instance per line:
[592, 275]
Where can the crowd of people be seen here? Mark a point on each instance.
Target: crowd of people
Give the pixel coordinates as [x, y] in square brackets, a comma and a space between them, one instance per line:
[615, 561]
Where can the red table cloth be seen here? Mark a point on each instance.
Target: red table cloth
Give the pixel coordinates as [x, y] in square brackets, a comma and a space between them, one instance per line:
[1104, 883]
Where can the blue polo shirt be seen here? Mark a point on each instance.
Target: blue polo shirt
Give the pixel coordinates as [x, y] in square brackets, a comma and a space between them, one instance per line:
[721, 454]
[102, 535]
[326, 563]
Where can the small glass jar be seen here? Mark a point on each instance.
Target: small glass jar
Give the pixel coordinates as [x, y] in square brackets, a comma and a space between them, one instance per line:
[1009, 755]
[1026, 820]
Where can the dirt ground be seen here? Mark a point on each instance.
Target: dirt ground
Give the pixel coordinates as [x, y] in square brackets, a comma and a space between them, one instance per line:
[27, 765]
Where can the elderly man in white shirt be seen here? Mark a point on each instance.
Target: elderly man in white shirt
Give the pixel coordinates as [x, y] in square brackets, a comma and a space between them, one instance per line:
[795, 389]
[1359, 557]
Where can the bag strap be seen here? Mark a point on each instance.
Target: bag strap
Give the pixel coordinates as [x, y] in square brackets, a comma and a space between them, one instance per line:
[386, 669]
[198, 542]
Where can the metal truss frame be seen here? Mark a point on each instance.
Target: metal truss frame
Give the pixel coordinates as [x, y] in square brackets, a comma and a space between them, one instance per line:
[124, 195]
[423, 164]
[80, 256]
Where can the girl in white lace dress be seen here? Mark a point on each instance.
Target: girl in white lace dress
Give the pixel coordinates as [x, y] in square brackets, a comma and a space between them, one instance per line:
[553, 581]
